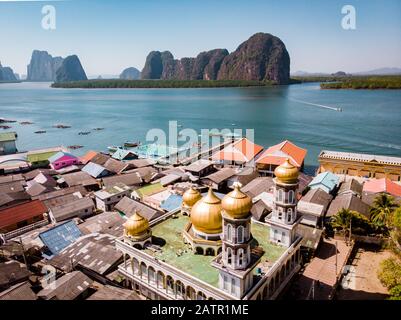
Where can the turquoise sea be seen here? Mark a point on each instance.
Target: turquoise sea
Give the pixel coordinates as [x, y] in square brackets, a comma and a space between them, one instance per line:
[370, 121]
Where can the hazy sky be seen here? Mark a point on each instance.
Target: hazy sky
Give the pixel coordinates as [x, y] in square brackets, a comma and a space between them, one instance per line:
[109, 36]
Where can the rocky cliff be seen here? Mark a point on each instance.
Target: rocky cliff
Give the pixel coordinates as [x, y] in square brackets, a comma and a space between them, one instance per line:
[43, 66]
[7, 74]
[130, 74]
[70, 70]
[262, 57]
[162, 65]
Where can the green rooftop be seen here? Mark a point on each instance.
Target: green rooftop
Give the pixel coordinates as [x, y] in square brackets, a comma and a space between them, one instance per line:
[150, 189]
[40, 157]
[8, 136]
[180, 255]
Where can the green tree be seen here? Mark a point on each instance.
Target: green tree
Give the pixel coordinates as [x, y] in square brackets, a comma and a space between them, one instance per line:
[341, 221]
[382, 211]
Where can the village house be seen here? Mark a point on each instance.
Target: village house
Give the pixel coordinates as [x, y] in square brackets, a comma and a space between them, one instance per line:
[360, 165]
[326, 181]
[96, 170]
[87, 157]
[29, 214]
[94, 254]
[313, 207]
[200, 168]
[40, 158]
[375, 187]
[107, 198]
[350, 186]
[79, 179]
[124, 154]
[7, 143]
[238, 153]
[62, 159]
[276, 155]
[349, 202]
[78, 207]
[129, 179]
[128, 207]
[218, 180]
[68, 287]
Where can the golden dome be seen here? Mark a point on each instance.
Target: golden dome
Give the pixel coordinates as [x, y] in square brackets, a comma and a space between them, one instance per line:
[237, 204]
[190, 197]
[136, 225]
[287, 173]
[206, 214]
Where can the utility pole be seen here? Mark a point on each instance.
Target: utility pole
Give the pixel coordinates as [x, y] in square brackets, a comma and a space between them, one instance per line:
[23, 252]
[350, 230]
[336, 259]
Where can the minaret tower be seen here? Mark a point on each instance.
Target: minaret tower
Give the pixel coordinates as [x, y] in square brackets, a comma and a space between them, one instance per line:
[284, 219]
[236, 262]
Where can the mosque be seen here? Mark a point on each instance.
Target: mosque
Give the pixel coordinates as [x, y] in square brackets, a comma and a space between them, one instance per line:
[213, 249]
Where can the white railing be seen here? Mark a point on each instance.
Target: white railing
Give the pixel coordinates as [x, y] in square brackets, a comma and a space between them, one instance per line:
[21, 231]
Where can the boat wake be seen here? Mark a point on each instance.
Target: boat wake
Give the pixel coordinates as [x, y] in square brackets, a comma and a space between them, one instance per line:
[317, 105]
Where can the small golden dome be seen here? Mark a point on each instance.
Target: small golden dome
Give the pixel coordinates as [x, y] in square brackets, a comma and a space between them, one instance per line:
[190, 197]
[206, 214]
[287, 173]
[237, 204]
[136, 225]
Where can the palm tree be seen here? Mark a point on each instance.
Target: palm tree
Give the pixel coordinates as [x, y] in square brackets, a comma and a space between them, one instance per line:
[341, 221]
[382, 211]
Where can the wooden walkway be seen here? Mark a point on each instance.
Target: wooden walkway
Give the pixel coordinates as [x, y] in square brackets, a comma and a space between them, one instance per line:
[320, 277]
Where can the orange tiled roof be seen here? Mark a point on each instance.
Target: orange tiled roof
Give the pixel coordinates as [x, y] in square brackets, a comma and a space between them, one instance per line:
[22, 212]
[242, 150]
[277, 154]
[88, 156]
[382, 185]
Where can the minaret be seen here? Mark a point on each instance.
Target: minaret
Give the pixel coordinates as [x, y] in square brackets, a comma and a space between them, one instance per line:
[284, 220]
[236, 261]
[189, 198]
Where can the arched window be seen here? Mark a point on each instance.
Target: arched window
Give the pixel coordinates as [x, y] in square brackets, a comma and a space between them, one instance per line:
[240, 232]
[289, 215]
[280, 195]
[229, 232]
[240, 257]
[291, 196]
[229, 255]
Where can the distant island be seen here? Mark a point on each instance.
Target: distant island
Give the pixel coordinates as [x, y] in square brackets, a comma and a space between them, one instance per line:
[259, 61]
[130, 84]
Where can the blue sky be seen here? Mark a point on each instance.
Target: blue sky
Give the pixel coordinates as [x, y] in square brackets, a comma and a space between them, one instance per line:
[109, 36]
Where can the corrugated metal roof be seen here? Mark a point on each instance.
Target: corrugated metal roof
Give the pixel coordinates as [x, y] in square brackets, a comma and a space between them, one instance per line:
[94, 169]
[61, 236]
[8, 136]
[172, 202]
[22, 212]
[327, 179]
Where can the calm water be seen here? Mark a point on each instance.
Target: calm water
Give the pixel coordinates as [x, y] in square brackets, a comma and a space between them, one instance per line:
[370, 121]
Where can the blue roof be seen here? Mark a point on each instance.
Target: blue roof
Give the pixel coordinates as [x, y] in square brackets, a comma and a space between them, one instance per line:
[120, 154]
[327, 179]
[61, 236]
[93, 169]
[172, 202]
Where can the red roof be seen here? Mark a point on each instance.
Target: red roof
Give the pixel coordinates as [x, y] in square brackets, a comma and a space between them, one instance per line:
[242, 150]
[88, 156]
[22, 212]
[382, 185]
[277, 154]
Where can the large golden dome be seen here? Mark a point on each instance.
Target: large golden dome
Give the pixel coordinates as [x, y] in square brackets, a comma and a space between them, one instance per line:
[190, 197]
[287, 173]
[237, 204]
[206, 214]
[136, 225]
